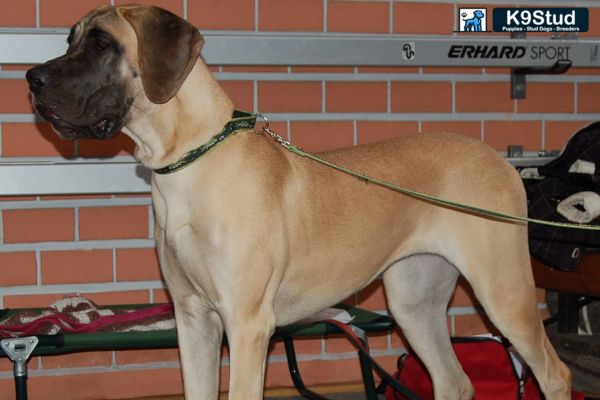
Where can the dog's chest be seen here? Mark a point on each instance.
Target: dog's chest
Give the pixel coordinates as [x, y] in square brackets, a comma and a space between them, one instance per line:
[173, 204]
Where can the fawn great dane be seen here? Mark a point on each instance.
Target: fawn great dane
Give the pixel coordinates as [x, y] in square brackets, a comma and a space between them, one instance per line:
[251, 237]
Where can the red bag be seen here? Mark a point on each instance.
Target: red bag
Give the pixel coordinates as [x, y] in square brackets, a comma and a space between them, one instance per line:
[486, 361]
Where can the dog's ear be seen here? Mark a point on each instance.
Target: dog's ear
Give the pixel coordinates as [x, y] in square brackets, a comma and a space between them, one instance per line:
[168, 47]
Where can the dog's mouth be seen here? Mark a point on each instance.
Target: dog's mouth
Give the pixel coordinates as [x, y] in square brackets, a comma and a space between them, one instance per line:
[104, 128]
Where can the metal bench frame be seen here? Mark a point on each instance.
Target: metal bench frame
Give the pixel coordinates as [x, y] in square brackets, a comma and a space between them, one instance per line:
[20, 349]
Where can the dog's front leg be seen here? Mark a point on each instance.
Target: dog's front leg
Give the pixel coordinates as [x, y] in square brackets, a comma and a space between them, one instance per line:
[248, 342]
[200, 335]
[199, 327]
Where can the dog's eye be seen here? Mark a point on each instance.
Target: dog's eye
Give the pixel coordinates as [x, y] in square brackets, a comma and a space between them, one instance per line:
[102, 43]
[99, 40]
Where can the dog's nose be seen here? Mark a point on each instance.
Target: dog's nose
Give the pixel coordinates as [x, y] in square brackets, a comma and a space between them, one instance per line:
[37, 78]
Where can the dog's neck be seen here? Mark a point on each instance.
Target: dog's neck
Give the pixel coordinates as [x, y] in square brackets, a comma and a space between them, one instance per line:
[165, 132]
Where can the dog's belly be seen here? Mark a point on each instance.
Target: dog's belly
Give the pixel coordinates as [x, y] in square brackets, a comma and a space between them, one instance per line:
[329, 272]
[336, 251]
[295, 302]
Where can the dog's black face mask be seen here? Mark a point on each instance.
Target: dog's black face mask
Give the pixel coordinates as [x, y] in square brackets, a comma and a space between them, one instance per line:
[80, 93]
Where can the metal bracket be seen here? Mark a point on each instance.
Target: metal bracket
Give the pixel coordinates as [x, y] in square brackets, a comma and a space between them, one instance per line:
[19, 350]
[518, 85]
[517, 76]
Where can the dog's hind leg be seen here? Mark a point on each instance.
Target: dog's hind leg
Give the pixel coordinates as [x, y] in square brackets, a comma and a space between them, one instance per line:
[418, 289]
[501, 276]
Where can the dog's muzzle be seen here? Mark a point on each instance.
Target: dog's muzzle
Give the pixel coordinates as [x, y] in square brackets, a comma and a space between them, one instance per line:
[75, 108]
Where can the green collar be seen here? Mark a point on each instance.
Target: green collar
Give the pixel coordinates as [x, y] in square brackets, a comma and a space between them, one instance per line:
[240, 121]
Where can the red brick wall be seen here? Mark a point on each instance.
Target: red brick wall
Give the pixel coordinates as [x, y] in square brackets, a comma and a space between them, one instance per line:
[102, 246]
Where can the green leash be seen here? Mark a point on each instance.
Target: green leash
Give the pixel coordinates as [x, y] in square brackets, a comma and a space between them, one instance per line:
[245, 121]
[419, 195]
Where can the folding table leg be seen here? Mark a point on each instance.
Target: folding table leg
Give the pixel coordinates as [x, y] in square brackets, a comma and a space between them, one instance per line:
[367, 375]
[290, 353]
[19, 350]
[365, 366]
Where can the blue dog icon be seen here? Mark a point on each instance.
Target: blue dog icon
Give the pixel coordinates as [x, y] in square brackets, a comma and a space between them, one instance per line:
[474, 24]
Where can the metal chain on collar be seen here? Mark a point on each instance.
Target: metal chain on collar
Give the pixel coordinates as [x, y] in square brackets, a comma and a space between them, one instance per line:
[419, 195]
[266, 130]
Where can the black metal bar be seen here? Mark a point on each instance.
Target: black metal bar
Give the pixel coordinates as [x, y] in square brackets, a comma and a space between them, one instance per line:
[367, 374]
[559, 67]
[21, 387]
[390, 380]
[568, 312]
[290, 353]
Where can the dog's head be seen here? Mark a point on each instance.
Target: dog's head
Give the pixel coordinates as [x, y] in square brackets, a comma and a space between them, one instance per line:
[117, 56]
